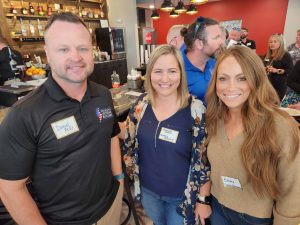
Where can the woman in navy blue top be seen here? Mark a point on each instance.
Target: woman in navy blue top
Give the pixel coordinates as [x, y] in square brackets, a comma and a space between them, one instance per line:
[164, 144]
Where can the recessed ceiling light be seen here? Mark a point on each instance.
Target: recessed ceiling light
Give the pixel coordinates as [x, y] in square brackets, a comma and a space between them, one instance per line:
[151, 6]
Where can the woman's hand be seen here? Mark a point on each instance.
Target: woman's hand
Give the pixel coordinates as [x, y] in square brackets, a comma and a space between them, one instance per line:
[202, 212]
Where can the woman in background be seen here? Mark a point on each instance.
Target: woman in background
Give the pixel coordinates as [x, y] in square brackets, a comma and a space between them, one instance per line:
[164, 144]
[278, 64]
[253, 146]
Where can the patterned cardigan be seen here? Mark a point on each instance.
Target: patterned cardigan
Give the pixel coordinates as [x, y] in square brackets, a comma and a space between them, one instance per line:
[199, 171]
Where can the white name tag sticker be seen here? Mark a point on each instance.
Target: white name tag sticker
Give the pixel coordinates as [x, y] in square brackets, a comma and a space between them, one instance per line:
[65, 127]
[168, 135]
[231, 182]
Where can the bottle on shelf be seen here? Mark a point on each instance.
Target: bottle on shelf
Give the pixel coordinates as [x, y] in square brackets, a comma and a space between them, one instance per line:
[13, 9]
[49, 10]
[31, 28]
[40, 10]
[31, 9]
[40, 28]
[96, 15]
[24, 11]
[79, 12]
[83, 13]
[90, 14]
[23, 28]
[115, 80]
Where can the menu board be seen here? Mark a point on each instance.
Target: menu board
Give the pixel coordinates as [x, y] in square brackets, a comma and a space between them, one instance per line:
[118, 40]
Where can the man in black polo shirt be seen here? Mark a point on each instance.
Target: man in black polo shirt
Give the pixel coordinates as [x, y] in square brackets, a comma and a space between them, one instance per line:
[245, 41]
[63, 136]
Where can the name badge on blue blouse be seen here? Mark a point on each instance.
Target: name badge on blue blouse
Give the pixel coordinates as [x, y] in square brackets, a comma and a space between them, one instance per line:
[168, 135]
[64, 127]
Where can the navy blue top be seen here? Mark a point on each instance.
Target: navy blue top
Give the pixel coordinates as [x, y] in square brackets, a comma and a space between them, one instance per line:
[164, 164]
[198, 80]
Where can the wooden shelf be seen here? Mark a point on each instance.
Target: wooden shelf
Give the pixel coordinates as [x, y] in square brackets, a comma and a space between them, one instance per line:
[28, 38]
[27, 16]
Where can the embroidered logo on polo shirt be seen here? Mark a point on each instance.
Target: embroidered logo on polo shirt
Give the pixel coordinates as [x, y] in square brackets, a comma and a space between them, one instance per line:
[64, 127]
[105, 113]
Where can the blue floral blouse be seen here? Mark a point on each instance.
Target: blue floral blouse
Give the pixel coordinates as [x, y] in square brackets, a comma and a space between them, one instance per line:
[199, 172]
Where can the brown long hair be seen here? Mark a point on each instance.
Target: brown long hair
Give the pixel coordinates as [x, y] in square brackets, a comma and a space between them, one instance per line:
[281, 51]
[259, 153]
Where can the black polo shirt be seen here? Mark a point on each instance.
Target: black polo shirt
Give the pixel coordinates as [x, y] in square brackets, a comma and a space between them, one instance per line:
[64, 145]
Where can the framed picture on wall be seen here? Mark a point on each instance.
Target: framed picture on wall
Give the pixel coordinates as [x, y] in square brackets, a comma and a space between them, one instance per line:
[229, 24]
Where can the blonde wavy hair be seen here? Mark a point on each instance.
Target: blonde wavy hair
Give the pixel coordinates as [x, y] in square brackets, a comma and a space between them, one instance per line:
[281, 51]
[182, 90]
[259, 153]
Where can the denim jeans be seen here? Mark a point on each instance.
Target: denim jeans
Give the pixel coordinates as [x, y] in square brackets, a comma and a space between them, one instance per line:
[222, 215]
[161, 209]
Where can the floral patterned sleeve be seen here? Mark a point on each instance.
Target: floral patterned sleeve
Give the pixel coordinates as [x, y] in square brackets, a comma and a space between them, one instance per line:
[130, 146]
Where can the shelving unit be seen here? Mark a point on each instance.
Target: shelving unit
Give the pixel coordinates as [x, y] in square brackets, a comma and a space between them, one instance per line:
[32, 42]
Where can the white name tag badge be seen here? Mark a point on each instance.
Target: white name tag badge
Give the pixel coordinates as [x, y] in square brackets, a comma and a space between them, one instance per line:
[231, 182]
[168, 135]
[64, 127]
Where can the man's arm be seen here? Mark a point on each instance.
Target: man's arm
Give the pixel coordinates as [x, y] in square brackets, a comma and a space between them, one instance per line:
[115, 153]
[19, 203]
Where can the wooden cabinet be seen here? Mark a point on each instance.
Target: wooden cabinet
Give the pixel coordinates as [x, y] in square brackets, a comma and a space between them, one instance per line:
[31, 39]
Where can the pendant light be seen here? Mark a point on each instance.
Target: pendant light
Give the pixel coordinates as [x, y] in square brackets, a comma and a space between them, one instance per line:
[167, 6]
[154, 14]
[173, 14]
[192, 10]
[180, 8]
[199, 2]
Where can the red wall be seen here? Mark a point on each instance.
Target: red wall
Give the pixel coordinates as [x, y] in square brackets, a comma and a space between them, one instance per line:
[261, 17]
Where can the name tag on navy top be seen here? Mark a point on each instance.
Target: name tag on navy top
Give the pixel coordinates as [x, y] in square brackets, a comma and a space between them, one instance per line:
[64, 127]
[231, 182]
[168, 135]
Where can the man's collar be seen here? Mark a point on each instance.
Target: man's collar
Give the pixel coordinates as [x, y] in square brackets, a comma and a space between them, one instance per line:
[58, 94]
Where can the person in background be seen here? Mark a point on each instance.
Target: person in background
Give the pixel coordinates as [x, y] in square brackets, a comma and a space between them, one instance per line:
[163, 147]
[293, 82]
[9, 59]
[175, 36]
[255, 173]
[245, 41]
[225, 34]
[278, 64]
[235, 34]
[294, 49]
[203, 40]
[63, 137]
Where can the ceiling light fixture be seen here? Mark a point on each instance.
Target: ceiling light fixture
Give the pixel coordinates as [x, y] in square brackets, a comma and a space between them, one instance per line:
[180, 8]
[154, 14]
[167, 6]
[192, 10]
[173, 14]
[199, 2]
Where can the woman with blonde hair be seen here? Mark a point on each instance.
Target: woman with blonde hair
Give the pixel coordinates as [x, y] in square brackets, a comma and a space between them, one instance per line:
[164, 144]
[253, 146]
[278, 64]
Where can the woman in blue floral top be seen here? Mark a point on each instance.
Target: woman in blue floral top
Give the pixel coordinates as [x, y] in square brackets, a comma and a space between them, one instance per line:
[164, 148]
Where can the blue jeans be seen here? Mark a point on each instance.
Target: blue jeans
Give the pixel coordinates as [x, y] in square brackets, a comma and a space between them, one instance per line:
[222, 215]
[161, 209]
